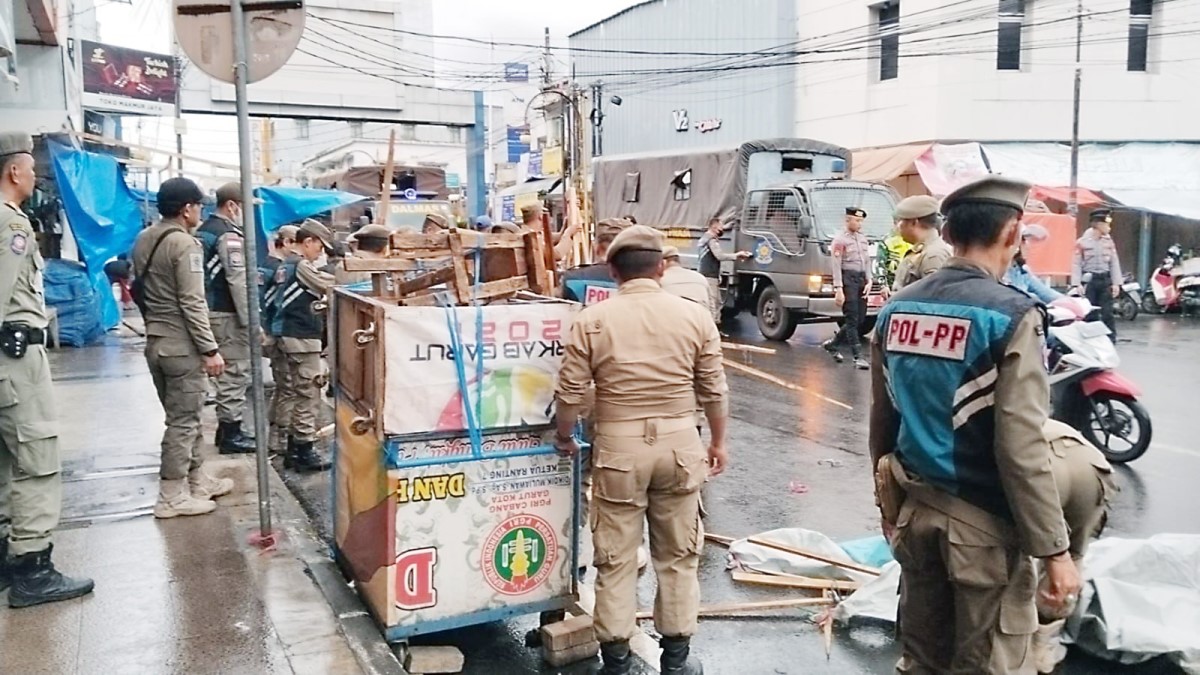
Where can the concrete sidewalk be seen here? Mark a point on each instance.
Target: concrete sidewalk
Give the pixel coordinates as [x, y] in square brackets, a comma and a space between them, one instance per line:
[189, 595]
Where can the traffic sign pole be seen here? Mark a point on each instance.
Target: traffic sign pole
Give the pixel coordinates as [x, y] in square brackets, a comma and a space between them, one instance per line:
[241, 77]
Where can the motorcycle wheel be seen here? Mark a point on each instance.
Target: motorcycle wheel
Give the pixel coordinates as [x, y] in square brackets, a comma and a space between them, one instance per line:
[1117, 425]
[1150, 304]
[1126, 308]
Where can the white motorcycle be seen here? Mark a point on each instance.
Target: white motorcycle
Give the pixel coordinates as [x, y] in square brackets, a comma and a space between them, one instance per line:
[1086, 391]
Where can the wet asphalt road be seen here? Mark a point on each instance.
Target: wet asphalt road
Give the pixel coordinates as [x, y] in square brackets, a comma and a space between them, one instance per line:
[799, 459]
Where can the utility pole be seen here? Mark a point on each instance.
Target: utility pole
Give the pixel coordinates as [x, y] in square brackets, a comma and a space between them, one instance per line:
[179, 125]
[547, 60]
[597, 118]
[1073, 197]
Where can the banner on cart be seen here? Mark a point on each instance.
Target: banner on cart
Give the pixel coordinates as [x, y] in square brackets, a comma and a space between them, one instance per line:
[519, 356]
[478, 536]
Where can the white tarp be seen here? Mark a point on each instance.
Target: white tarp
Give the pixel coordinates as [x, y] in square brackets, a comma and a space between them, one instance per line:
[1162, 177]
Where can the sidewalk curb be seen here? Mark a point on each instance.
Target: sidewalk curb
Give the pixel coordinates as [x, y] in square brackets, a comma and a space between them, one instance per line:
[374, 655]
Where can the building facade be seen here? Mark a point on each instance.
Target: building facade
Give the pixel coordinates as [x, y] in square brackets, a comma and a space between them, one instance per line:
[863, 73]
[40, 90]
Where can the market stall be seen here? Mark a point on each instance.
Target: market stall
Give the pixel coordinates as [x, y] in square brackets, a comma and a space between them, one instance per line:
[452, 506]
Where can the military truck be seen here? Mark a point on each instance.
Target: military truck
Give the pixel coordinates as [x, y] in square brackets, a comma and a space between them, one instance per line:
[781, 199]
[415, 192]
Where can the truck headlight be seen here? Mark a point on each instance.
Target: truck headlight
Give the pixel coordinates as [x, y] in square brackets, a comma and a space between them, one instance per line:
[815, 284]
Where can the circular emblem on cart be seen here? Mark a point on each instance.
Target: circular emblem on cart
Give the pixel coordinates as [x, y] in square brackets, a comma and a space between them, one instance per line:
[763, 255]
[518, 555]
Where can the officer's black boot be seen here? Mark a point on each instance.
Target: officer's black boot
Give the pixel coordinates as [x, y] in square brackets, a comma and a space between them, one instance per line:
[232, 440]
[5, 567]
[305, 459]
[675, 657]
[618, 660]
[35, 581]
[291, 450]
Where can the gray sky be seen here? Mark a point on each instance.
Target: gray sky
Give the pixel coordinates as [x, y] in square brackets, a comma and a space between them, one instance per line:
[145, 24]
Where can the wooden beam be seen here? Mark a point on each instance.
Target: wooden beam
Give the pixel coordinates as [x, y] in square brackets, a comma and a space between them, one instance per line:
[814, 556]
[494, 289]
[442, 276]
[747, 348]
[385, 190]
[718, 539]
[735, 608]
[791, 581]
[356, 264]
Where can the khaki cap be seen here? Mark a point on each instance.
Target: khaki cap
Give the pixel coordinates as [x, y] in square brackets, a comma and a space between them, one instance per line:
[636, 238]
[670, 252]
[916, 207]
[229, 192]
[612, 226]
[376, 232]
[438, 219]
[15, 143]
[530, 211]
[999, 190]
[287, 232]
[313, 228]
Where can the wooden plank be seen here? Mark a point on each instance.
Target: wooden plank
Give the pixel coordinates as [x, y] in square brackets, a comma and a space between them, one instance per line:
[412, 241]
[791, 581]
[494, 289]
[397, 264]
[735, 608]
[385, 189]
[442, 276]
[537, 265]
[812, 555]
[747, 348]
[718, 539]
[462, 282]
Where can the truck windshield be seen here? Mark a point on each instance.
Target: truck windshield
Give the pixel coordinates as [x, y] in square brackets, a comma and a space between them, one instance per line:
[829, 204]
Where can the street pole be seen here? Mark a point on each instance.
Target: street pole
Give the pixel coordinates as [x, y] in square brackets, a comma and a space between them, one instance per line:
[250, 227]
[178, 113]
[1073, 197]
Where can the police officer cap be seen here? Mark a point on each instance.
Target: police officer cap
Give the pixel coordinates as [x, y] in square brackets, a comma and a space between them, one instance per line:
[612, 226]
[999, 190]
[15, 143]
[670, 252]
[179, 191]
[1101, 216]
[636, 238]
[287, 232]
[229, 192]
[313, 228]
[375, 232]
[916, 207]
[531, 211]
[855, 211]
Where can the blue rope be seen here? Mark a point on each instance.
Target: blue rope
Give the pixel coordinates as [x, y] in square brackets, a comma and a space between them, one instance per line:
[472, 410]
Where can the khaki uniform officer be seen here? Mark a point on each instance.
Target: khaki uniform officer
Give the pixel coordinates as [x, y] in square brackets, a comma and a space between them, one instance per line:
[686, 283]
[1096, 267]
[964, 483]
[225, 290]
[920, 225]
[299, 329]
[370, 243]
[281, 248]
[852, 284]
[181, 350]
[30, 484]
[652, 357]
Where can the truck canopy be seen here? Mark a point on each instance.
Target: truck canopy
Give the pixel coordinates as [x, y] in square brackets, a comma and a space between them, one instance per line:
[428, 181]
[685, 189]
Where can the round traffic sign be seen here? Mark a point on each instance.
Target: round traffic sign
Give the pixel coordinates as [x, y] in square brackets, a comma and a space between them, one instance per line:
[204, 30]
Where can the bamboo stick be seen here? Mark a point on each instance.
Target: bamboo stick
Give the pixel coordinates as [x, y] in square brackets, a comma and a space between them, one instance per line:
[793, 581]
[734, 608]
[814, 556]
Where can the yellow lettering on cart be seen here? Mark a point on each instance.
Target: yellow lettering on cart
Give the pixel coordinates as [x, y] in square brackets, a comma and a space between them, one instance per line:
[428, 488]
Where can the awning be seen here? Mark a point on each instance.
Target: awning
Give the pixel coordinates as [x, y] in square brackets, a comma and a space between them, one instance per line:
[942, 168]
[533, 187]
[1083, 196]
[1161, 177]
[885, 164]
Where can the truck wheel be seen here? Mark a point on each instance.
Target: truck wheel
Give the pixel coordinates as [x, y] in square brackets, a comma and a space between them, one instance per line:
[775, 321]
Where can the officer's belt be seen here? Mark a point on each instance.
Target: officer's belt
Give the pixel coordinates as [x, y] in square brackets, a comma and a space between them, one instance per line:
[952, 506]
[648, 428]
[33, 336]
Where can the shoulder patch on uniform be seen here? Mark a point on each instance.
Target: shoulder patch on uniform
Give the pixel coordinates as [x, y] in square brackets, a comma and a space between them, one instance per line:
[196, 262]
[280, 274]
[941, 337]
[233, 241]
[593, 326]
[20, 243]
[236, 257]
[17, 225]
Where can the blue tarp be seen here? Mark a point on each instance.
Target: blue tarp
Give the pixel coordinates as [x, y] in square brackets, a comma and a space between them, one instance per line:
[69, 291]
[104, 215]
[283, 205]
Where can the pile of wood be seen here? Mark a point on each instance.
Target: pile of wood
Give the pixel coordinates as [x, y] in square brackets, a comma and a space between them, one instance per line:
[457, 266]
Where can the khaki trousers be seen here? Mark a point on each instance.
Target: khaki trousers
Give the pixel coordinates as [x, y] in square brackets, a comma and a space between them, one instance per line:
[30, 483]
[279, 374]
[966, 597]
[234, 343]
[652, 471]
[714, 298]
[180, 382]
[301, 401]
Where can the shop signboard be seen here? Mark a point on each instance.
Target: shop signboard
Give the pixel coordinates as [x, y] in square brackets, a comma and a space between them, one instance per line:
[128, 81]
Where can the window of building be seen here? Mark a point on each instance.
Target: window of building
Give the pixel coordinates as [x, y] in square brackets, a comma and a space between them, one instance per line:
[408, 132]
[682, 185]
[1008, 38]
[1140, 13]
[887, 30]
[632, 188]
[302, 129]
[356, 129]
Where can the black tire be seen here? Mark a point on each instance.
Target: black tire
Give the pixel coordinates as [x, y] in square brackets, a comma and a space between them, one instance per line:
[775, 321]
[1107, 418]
[1150, 304]
[1126, 308]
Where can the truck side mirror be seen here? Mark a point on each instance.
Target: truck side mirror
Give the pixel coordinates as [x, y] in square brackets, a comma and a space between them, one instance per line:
[806, 224]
